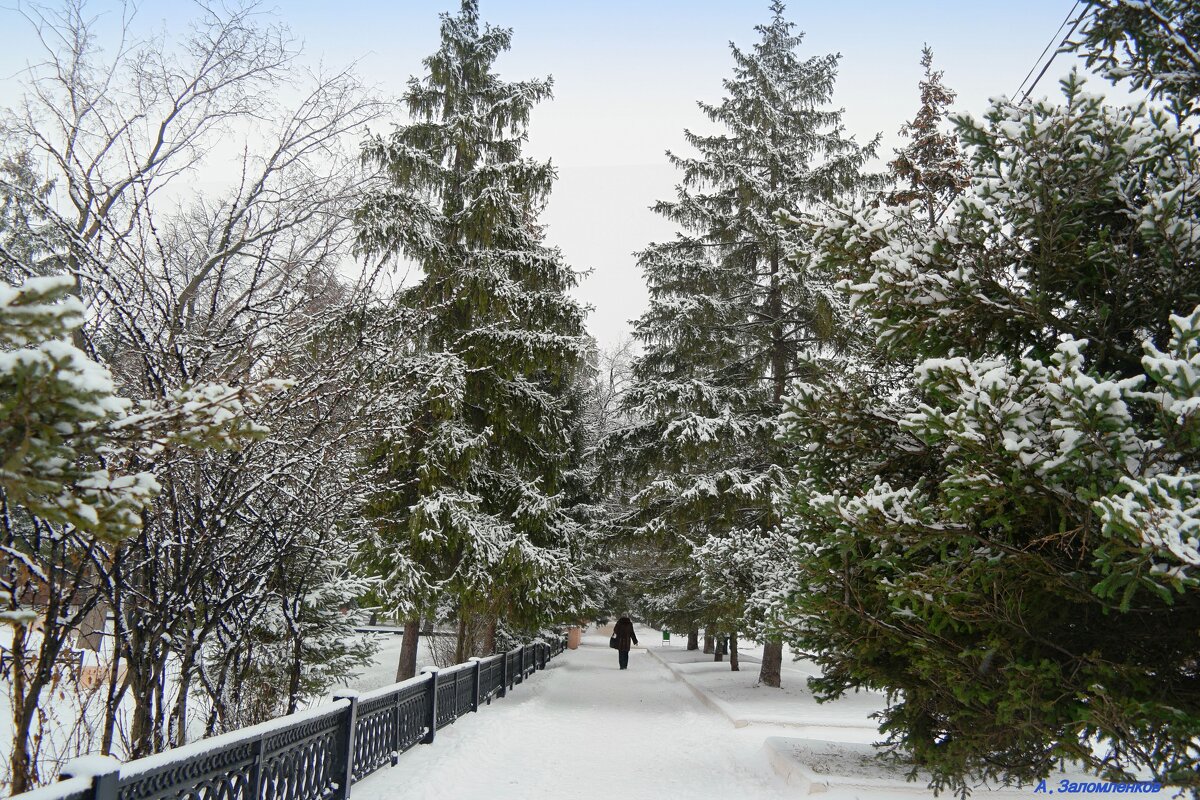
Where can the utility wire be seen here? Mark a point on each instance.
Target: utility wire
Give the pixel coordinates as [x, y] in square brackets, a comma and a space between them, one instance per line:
[1053, 39]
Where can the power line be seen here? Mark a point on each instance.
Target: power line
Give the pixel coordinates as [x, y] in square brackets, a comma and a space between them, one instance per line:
[1042, 55]
[1053, 39]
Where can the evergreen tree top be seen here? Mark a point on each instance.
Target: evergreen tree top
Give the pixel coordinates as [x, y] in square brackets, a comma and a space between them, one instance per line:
[1155, 44]
[468, 126]
[460, 82]
[783, 147]
[932, 166]
[466, 184]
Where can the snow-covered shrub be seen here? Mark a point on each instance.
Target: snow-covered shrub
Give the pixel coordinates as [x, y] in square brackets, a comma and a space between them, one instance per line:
[996, 519]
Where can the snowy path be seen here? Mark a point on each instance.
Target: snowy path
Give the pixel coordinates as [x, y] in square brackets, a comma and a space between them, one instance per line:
[584, 729]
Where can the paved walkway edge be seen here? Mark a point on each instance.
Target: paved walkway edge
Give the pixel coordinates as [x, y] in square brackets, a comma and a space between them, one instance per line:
[792, 771]
[741, 720]
[708, 700]
[781, 755]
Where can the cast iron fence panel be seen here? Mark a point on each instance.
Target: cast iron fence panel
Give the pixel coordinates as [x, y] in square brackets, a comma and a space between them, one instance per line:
[306, 761]
[319, 754]
[491, 677]
[222, 773]
[514, 667]
[449, 681]
[388, 722]
[410, 711]
[374, 734]
[245, 767]
[464, 702]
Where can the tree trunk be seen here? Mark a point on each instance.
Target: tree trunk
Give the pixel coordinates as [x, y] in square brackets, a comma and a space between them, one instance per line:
[24, 771]
[406, 667]
[141, 684]
[24, 776]
[177, 721]
[116, 690]
[733, 653]
[693, 639]
[489, 636]
[460, 654]
[709, 643]
[216, 693]
[772, 663]
[295, 671]
[116, 686]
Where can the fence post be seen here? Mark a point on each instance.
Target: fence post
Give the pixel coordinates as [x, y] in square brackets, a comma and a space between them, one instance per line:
[504, 675]
[475, 682]
[396, 730]
[106, 775]
[347, 774]
[256, 767]
[432, 672]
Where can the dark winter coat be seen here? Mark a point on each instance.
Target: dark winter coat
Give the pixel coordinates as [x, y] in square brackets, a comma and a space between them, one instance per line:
[624, 632]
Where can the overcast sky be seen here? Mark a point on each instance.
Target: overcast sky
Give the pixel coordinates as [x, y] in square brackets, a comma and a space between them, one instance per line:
[627, 76]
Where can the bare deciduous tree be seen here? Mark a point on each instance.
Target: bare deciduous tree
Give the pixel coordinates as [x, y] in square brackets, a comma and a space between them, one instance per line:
[201, 199]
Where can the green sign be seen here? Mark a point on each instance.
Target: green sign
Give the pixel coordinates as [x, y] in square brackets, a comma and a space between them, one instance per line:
[666, 636]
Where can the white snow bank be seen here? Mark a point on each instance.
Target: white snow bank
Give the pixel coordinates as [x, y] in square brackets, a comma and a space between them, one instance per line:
[737, 696]
[90, 766]
[55, 791]
[846, 769]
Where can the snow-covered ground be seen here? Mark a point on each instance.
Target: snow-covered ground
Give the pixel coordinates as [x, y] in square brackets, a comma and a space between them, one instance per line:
[813, 747]
[674, 725]
[583, 729]
[736, 696]
[382, 670]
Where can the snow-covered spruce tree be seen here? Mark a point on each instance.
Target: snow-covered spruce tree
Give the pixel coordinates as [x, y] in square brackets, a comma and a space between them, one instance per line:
[1006, 541]
[931, 169]
[28, 238]
[1153, 43]
[477, 497]
[686, 417]
[729, 314]
[858, 390]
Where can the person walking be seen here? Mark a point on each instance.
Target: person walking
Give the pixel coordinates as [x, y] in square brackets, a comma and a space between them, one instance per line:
[623, 630]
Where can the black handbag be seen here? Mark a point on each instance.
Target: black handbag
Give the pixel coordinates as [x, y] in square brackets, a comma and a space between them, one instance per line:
[612, 642]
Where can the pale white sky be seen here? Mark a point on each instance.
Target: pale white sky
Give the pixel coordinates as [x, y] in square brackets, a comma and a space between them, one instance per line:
[628, 74]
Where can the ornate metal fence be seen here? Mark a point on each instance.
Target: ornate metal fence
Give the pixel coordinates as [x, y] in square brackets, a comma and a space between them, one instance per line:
[316, 754]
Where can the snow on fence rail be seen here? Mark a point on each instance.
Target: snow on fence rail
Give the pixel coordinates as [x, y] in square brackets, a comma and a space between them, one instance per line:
[312, 755]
